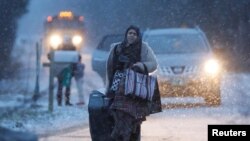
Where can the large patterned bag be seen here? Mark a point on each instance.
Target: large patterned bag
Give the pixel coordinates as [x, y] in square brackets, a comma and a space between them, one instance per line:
[140, 85]
[116, 80]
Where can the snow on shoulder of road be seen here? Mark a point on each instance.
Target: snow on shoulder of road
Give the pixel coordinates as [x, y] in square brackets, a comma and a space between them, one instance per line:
[171, 124]
[38, 119]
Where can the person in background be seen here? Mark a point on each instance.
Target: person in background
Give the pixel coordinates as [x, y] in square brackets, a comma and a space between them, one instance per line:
[128, 112]
[78, 74]
[64, 80]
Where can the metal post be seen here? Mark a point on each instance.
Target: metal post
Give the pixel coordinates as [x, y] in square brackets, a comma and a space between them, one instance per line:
[37, 89]
[51, 82]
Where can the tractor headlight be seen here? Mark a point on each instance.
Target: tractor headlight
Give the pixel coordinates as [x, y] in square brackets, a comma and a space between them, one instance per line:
[212, 67]
[77, 40]
[55, 41]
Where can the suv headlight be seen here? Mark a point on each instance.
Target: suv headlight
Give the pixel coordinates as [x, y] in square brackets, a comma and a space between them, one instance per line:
[55, 40]
[212, 67]
[77, 40]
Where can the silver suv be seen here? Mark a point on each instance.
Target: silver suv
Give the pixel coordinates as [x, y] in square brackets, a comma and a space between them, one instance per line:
[187, 65]
[100, 54]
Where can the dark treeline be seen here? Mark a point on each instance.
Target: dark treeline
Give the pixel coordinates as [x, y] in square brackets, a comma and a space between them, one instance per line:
[10, 12]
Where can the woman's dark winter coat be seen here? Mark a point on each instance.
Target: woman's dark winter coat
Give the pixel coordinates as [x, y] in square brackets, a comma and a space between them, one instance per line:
[136, 107]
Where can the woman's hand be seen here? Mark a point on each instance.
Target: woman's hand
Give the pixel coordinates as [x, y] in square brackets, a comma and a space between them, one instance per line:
[138, 64]
[138, 67]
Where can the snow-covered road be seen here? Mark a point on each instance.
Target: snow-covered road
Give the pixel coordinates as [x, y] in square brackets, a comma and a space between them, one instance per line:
[185, 123]
[181, 123]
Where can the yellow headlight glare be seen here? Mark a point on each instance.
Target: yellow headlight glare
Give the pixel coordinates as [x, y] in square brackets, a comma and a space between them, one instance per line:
[212, 67]
[55, 40]
[77, 40]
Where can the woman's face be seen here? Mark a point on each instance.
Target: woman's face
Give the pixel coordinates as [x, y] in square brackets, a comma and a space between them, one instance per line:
[131, 36]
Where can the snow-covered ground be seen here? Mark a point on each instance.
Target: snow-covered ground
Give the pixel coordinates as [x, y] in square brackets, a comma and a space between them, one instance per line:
[174, 123]
[182, 123]
[24, 117]
[187, 123]
[179, 123]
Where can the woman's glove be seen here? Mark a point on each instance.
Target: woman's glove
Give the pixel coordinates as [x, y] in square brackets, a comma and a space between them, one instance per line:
[138, 67]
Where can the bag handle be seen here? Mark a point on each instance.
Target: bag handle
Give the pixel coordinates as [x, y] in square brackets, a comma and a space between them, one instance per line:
[145, 68]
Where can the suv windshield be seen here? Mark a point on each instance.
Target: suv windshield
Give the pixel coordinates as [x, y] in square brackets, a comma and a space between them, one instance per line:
[177, 43]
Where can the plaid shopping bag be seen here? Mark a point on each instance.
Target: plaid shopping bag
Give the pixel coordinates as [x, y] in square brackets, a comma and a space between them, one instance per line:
[140, 85]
